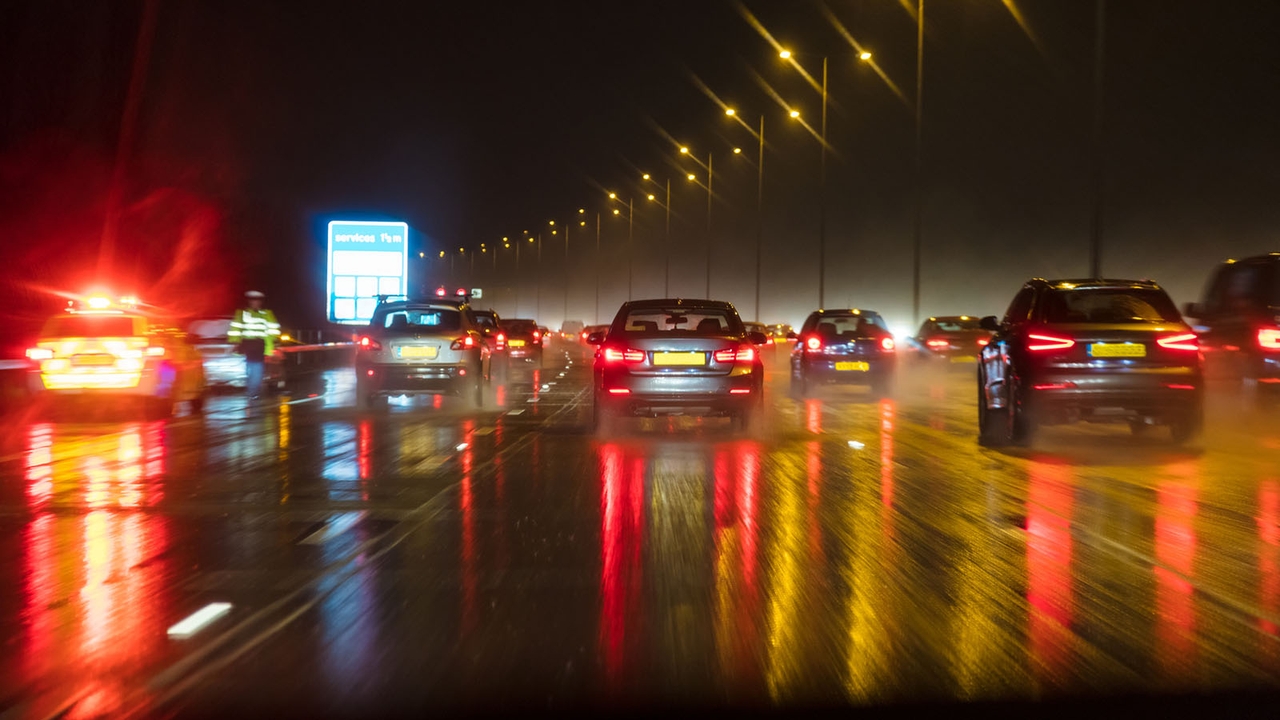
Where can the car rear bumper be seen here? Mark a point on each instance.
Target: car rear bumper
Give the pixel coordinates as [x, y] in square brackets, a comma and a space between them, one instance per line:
[679, 395]
[411, 380]
[825, 371]
[1162, 393]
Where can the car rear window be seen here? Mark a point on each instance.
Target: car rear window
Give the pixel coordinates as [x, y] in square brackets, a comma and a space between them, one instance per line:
[1110, 306]
[849, 326]
[957, 325]
[418, 318]
[690, 321]
[485, 319]
[74, 326]
[520, 326]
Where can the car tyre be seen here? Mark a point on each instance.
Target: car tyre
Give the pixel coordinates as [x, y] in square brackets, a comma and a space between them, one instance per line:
[477, 395]
[1186, 426]
[1006, 426]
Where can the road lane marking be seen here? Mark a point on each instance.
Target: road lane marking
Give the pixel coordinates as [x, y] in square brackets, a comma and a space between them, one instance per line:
[339, 525]
[516, 412]
[198, 620]
[532, 400]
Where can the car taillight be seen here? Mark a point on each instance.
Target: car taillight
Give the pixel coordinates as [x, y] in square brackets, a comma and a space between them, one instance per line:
[584, 336]
[983, 342]
[1269, 338]
[502, 341]
[629, 355]
[744, 353]
[463, 343]
[1185, 341]
[813, 342]
[536, 335]
[886, 344]
[1049, 342]
[39, 354]
[768, 341]
[368, 343]
[937, 343]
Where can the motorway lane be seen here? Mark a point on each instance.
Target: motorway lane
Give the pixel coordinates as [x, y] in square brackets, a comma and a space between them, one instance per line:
[852, 551]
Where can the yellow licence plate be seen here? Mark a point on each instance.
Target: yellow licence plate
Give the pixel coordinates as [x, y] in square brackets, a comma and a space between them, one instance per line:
[1118, 350]
[856, 366]
[516, 343]
[962, 358]
[418, 352]
[675, 358]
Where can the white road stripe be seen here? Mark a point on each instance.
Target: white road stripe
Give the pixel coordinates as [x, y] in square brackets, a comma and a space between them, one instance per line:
[198, 620]
[337, 526]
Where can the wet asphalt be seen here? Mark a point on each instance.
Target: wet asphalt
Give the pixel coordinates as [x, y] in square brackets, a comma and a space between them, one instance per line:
[851, 552]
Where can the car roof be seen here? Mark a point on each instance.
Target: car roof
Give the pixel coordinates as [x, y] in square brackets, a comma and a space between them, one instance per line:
[953, 318]
[1098, 283]
[679, 302]
[846, 312]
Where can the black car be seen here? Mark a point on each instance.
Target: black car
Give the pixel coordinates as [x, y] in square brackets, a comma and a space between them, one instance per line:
[954, 339]
[523, 339]
[1089, 350]
[677, 357]
[1239, 323]
[848, 347]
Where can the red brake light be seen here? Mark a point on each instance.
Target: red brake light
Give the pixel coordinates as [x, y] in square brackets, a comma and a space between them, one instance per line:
[1049, 342]
[768, 341]
[1269, 338]
[813, 342]
[630, 355]
[440, 292]
[886, 344]
[463, 343]
[937, 343]
[745, 354]
[1185, 341]
[983, 342]
[536, 335]
[501, 340]
[584, 335]
[368, 343]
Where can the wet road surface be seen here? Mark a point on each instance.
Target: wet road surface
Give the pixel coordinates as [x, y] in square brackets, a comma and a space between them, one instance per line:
[431, 558]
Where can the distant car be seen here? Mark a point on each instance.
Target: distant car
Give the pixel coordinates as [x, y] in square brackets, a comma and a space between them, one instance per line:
[108, 349]
[422, 347]
[571, 329]
[1089, 350]
[761, 328]
[676, 357]
[781, 333]
[588, 330]
[223, 367]
[954, 339]
[524, 341]
[490, 326]
[1238, 320]
[845, 347]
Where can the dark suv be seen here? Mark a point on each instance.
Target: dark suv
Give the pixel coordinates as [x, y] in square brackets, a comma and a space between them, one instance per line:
[1091, 350]
[1239, 323]
[524, 341]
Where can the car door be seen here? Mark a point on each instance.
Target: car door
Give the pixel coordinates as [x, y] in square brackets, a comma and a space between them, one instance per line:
[999, 354]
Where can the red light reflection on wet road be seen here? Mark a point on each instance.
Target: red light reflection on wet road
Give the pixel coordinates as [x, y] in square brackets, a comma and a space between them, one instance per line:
[1049, 550]
[1175, 546]
[621, 536]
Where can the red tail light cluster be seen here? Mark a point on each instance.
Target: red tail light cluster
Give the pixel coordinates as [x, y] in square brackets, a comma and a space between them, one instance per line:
[813, 342]
[937, 343]
[1269, 338]
[463, 343]
[887, 344]
[1040, 342]
[502, 341]
[1185, 341]
[983, 342]
[628, 355]
[536, 336]
[744, 354]
[368, 343]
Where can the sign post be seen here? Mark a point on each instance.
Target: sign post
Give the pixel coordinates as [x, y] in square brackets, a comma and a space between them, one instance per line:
[366, 259]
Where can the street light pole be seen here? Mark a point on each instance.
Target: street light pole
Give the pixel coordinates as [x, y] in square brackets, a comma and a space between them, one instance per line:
[822, 197]
[759, 211]
[537, 281]
[631, 250]
[918, 222]
[710, 176]
[597, 267]
[666, 273]
[1095, 221]
[565, 316]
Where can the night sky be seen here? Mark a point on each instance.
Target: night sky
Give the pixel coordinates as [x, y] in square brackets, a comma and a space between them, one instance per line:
[258, 122]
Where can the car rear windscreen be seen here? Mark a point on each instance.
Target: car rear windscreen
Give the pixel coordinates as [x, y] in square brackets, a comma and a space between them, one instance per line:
[417, 319]
[1110, 306]
[75, 326]
[848, 326]
[686, 321]
[957, 325]
[520, 326]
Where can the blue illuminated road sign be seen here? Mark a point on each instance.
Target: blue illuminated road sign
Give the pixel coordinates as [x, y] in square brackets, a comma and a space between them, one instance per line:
[366, 259]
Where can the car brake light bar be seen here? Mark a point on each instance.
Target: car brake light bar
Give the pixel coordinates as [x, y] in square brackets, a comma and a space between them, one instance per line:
[619, 391]
[739, 391]
[1054, 386]
[1049, 342]
[1269, 338]
[1185, 341]
[937, 343]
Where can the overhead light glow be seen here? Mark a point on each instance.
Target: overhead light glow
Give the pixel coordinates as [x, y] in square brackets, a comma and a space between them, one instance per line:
[795, 113]
[730, 112]
[785, 54]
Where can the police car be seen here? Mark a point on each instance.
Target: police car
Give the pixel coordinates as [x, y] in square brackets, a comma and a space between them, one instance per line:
[105, 347]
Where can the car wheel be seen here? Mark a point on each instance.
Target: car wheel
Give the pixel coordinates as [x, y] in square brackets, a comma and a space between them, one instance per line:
[1000, 427]
[477, 395]
[1187, 426]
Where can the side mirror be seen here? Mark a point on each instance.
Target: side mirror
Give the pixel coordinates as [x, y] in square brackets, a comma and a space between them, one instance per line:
[757, 338]
[595, 338]
[990, 323]
[791, 335]
[1193, 309]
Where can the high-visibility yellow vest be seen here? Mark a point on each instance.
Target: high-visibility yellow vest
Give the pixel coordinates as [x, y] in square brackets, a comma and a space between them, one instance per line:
[254, 325]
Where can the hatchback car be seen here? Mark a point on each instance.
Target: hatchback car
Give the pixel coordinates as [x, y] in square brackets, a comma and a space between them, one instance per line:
[1238, 320]
[954, 339]
[846, 347]
[523, 341]
[1089, 350]
[677, 357]
[428, 347]
[761, 329]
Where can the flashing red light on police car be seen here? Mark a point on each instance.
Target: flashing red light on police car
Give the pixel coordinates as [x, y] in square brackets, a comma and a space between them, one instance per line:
[98, 302]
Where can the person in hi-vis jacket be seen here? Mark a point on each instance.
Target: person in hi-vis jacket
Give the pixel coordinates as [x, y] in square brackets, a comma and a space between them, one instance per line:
[254, 331]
